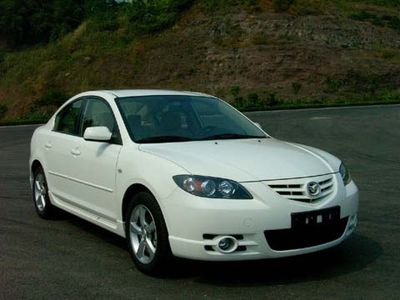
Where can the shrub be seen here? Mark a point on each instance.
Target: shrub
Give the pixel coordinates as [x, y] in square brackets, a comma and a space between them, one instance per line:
[212, 5]
[45, 106]
[105, 21]
[282, 5]
[235, 90]
[3, 110]
[52, 98]
[333, 85]
[239, 102]
[384, 20]
[152, 16]
[34, 21]
[260, 39]
[296, 86]
[272, 100]
[253, 100]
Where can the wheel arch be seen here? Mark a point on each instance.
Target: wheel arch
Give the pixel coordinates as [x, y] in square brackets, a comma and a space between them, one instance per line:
[35, 165]
[129, 193]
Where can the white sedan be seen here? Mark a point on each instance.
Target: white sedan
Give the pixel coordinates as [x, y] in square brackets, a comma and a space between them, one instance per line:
[185, 174]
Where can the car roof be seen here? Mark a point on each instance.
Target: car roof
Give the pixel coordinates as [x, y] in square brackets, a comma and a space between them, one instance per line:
[149, 92]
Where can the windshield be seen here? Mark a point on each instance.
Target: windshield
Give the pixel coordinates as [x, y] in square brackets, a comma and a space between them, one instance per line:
[158, 119]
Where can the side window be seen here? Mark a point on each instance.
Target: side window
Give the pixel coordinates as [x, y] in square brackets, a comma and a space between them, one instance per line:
[98, 113]
[67, 119]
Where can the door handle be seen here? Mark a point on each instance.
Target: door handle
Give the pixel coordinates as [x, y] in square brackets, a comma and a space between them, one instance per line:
[75, 152]
[48, 146]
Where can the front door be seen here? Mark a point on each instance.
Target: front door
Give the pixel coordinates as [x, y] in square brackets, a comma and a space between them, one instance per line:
[97, 161]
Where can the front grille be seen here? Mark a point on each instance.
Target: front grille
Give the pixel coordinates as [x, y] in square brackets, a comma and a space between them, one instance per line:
[296, 189]
[288, 239]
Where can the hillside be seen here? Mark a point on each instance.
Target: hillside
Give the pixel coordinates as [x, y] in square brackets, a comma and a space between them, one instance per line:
[256, 54]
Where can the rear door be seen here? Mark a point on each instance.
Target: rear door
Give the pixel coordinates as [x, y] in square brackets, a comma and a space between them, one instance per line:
[60, 145]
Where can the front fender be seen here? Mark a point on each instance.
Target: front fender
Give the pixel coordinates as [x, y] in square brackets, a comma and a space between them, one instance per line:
[153, 172]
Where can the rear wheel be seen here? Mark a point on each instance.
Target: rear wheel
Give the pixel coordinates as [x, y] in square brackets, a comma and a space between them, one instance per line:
[40, 195]
[147, 234]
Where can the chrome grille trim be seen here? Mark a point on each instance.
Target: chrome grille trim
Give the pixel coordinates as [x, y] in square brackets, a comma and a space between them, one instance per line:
[296, 189]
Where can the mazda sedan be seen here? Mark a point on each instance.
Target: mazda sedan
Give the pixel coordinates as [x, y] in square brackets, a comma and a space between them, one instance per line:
[185, 174]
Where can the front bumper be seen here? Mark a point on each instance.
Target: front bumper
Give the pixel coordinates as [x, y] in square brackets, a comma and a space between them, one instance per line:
[195, 224]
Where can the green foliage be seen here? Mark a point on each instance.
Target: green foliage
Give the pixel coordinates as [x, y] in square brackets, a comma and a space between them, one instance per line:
[253, 99]
[296, 86]
[41, 109]
[356, 83]
[383, 20]
[234, 91]
[151, 16]
[282, 5]
[212, 5]
[142, 16]
[3, 110]
[239, 102]
[34, 21]
[24, 23]
[104, 21]
[272, 100]
[309, 7]
[52, 98]
[255, 102]
[385, 3]
[370, 84]
[260, 39]
[333, 85]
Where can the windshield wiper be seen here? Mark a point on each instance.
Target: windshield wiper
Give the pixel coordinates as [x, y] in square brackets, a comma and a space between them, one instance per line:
[164, 139]
[227, 136]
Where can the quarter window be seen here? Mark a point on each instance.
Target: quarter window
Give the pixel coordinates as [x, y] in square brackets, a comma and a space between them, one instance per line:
[67, 119]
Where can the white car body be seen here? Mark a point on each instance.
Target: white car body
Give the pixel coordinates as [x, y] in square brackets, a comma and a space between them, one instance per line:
[91, 180]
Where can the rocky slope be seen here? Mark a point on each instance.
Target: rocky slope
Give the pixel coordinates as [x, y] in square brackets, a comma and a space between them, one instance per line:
[248, 56]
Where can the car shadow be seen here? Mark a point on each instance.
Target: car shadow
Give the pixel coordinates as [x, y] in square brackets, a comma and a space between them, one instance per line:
[93, 229]
[353, 255]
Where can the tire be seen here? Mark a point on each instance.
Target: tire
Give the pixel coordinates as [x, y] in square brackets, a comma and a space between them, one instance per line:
[147, 235]
[40, 195]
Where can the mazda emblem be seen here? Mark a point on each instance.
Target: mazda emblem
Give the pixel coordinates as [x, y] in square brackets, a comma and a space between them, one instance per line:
[313, 188]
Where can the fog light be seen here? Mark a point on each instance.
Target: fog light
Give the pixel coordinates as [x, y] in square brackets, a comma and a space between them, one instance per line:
[227, 244]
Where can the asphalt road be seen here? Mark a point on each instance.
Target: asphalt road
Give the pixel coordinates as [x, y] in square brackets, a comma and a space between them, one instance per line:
[70, 258]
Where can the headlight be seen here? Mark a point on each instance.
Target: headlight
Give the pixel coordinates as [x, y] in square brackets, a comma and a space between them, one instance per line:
[345, 174]
[211, 187]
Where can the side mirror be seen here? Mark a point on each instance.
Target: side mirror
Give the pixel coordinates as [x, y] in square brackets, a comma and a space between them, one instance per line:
[258, 125]
[97, 134]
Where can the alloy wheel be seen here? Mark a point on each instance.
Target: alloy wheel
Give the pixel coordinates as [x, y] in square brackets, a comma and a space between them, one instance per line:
[143, 234]
[40, 192]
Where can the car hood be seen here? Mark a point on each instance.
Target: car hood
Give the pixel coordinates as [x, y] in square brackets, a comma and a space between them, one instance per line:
[246, 159]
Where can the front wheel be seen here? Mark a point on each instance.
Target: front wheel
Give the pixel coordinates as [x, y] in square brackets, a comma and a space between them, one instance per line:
[147, 234]
[40, 195]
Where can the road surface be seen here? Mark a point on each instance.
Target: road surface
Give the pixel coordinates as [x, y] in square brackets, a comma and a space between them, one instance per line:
[70, 258]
